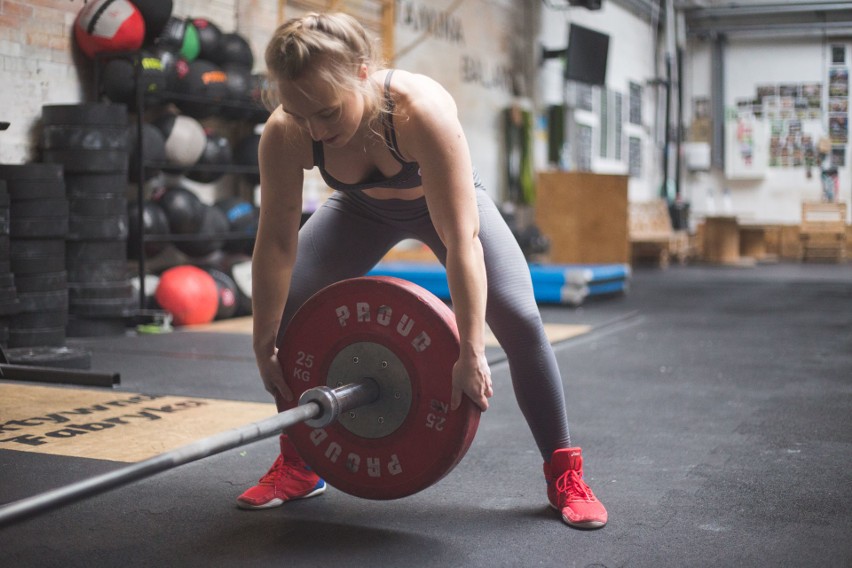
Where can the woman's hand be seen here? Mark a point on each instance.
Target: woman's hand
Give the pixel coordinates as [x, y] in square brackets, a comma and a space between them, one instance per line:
[472, 376]
[273, 376]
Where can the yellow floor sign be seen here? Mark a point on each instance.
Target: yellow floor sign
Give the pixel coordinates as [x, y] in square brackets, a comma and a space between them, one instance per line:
[117, 426]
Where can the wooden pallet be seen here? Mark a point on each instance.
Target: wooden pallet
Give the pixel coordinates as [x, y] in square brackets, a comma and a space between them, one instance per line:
[822, 232]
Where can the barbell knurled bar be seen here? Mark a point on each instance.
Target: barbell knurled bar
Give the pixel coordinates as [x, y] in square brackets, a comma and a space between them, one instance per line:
[318, 406]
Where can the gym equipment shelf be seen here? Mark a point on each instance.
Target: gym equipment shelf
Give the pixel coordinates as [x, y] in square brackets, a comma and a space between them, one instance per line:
[145, 100]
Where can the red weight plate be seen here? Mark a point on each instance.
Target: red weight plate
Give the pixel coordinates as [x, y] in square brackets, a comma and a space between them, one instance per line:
[420, 331]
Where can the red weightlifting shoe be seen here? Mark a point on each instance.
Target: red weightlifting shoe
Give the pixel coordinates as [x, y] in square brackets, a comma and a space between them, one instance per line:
[569, 494]
[289, 478]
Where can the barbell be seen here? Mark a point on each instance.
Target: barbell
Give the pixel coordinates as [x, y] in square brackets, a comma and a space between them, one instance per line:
[370, 362]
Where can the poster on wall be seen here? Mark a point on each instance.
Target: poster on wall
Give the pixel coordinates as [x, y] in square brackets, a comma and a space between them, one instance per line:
[838, 82]
[838, 128]
[746, 152]
[838, 108]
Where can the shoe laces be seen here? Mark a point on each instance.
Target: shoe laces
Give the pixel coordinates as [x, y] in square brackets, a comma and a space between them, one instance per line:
[570, 485]
[278, 469]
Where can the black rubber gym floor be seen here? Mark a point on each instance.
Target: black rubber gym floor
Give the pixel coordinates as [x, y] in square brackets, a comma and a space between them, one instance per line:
[714, 406]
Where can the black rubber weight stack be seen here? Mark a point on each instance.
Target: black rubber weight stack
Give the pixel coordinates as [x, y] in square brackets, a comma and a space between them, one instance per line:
[100, 293]
[38, 223]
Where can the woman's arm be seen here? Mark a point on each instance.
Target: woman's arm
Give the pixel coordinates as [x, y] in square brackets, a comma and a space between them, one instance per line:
[431, 134]
[281, 177]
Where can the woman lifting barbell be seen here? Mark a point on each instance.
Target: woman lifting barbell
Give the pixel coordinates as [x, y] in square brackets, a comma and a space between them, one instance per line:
[391, 146]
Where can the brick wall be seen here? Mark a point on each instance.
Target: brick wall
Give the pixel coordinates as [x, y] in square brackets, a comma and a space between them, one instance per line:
[36, 67]
[40, 64]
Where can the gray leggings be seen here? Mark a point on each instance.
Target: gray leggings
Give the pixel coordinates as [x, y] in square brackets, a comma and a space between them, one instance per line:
[351, 232]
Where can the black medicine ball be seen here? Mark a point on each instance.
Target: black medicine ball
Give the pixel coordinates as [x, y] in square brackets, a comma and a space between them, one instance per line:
[217, 152]
[209, 37]
[172, 34]
[206, 83]
[153, 147]
[182, 207]
[119, 78]
[214, 224]
[239, 84]
[234, 48]
[154, 221]
[243, 218]
[155, 13]
[169, 59]
[228, 292]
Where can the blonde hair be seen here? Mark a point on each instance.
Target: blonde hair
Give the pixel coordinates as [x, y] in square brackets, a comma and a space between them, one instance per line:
[333, 45]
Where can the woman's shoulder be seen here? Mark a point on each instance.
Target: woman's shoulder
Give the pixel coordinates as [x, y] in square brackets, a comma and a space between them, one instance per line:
[414, 92]
[282, 134]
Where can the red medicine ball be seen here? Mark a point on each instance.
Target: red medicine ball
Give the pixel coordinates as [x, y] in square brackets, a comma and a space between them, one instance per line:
[188, 293]
[109, 25]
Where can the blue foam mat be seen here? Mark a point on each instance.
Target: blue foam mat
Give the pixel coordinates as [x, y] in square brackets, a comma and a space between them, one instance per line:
[559, 284]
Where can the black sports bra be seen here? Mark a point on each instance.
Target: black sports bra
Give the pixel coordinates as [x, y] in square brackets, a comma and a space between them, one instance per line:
[407, 178]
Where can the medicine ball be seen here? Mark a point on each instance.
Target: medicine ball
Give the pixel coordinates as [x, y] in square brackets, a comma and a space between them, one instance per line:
[172, 34]
[242, 218]
[214, 224]
[154, 222]
[184, 211]
[185, 139]
[155, 13]
[189, 294]
[119, 78]
[217, 152]
[238, 267]
[245, 154]
[234, 48]
[153, 146]
[228, 292]
[205, 80]
[209, 36]
[169, 59]
[191, 46]
[238, 95]
[109, 26]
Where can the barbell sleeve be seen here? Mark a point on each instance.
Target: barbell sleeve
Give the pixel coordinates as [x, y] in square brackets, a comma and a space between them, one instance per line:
[327, 402]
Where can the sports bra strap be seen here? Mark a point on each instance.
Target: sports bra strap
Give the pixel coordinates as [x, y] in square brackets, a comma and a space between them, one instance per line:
[389, 132]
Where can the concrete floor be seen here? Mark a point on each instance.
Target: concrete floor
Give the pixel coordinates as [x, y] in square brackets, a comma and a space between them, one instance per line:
[714, 406]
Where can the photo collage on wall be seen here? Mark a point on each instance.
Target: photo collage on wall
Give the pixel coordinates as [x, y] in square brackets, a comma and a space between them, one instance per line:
[838, 105]
[793, 112]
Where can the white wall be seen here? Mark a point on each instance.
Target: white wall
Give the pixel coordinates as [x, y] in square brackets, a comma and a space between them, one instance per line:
[469, 55]
[631, 58]
[776, 196]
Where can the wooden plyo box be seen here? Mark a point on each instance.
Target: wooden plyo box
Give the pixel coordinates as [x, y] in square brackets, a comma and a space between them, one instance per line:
[721, 240]
[585, 216]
